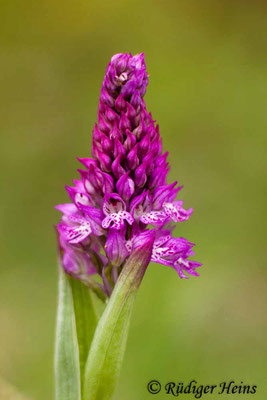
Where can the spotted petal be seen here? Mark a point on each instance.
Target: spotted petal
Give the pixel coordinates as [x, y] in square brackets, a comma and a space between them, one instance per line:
[117, 220]
[153, 217]
[167, 250]
[161, 240]
[75, 234]
[176, 212]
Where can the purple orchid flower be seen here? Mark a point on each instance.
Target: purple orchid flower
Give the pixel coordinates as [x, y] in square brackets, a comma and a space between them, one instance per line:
[123, 191]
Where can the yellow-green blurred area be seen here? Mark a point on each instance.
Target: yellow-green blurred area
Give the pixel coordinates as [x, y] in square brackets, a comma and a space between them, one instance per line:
[208, 81]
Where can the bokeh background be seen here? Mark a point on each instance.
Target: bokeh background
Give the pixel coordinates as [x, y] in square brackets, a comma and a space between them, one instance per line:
[207, 90]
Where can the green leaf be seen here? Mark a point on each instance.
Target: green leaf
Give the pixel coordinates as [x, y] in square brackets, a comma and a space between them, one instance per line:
[86, 320]
[108, 346]
[67, 371]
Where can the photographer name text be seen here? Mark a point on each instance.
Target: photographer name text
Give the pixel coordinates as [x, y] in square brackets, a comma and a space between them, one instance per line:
[198, 390]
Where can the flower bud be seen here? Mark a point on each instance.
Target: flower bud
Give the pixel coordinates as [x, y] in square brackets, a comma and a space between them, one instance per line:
[115, 248]
[129, 141]
[140, 175]
[136, 99]
[107, 98]
[104, 125]
[125, 187]
[104, 160]
[132, 159]
[116, 167]
[120, 103]
[124, 123]
[119, 149]
[129, 88]
[116, 133]
[111, 115]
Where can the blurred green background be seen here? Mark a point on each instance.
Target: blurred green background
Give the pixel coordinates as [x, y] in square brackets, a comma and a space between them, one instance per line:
[207, 90]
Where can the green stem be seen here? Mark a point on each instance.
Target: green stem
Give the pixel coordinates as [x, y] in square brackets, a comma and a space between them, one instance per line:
[108, 346]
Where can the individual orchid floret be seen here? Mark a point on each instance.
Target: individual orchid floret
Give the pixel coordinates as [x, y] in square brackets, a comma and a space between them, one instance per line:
[115, 210]
[141, 208]
[95, 217]
[77, 232]
[123, 191]
[75, 228]
[167, 249]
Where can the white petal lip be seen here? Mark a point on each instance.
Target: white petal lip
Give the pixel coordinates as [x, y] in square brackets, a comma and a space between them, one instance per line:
[118, 219]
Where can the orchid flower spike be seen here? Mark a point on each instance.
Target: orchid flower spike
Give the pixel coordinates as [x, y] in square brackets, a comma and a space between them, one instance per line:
[123, 189]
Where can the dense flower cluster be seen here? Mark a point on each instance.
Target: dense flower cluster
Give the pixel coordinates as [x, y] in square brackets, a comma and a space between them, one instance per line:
[123, 189]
